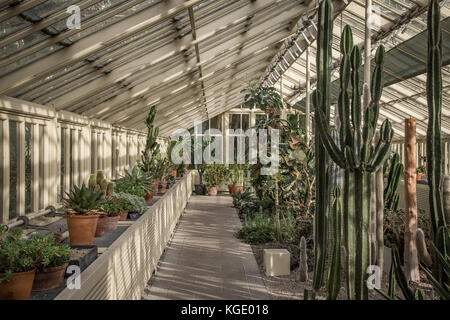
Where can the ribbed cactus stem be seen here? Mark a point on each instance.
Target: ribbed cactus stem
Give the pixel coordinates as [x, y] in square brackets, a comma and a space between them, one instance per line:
[434, 99]
[323, 63]
[422, 250]
[355, 155]
[334, 269]
[303, 263]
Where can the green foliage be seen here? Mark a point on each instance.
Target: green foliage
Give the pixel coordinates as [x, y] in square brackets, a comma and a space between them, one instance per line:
[99, 182]
[421, 169]
[215, 174]
[135, 181]
[83, 201]
[47, 252]
[147, 161]
[264, 98]
[395, 173]
[21, 255]
[130, 188]
[131, 202]
[113, 206]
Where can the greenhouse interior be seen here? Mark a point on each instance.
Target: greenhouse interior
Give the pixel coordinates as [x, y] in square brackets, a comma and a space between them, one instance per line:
[224, 150]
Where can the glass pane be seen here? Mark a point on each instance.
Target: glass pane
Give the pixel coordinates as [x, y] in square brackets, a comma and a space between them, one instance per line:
[13, 167]
[28, 167]
[245, 121]
[235, 121]
[260, 117]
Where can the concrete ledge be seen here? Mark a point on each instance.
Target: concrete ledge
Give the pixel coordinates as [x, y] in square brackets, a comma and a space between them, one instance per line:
[122, 271]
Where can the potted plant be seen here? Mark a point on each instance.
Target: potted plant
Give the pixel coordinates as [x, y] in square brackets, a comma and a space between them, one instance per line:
[82, 214]
[111, 209]
[237, 178]
[136, 182]
[200, 188]
[17, 266]
[420, 171]
[214, 175]
[51, 262]
[130, 204]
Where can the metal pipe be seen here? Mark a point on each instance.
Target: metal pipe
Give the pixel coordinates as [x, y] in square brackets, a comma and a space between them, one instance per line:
[22, 219]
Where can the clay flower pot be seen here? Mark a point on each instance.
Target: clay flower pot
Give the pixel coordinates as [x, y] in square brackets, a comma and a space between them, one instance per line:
[230, 188]
[155, 187]
[213, 191]
[148, 198]
[112, 223]
[163, 187]
[174, 173]
[237, 188]
[49, 278]
[82, 229]
[419, 175]
[123, 216]
[18, 287]
[101, 223]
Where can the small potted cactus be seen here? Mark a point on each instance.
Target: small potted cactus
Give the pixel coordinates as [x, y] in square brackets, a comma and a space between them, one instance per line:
[100, 183]
[82, 214]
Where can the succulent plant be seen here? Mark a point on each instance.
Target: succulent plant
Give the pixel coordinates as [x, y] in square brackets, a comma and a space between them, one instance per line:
[83, 201]
[100, 183]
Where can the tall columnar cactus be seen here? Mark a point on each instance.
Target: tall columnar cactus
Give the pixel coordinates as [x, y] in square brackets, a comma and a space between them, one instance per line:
[334, 269]
[434, 99]
[323, 62]
[391, 195]
[151, 146]
[356, 156]
[303, 261]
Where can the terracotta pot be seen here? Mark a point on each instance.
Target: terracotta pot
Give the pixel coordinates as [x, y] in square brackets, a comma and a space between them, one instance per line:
[237, 188]
[148, 198]
[18, 287]
[123, 216]
[82, 229]
[49, 278]
[155, 187]
[112, 223]
[186, 167]
[213, 191]
[101, 223]
[419, 175]
[230, 188]
[163, 187]
[174, 173]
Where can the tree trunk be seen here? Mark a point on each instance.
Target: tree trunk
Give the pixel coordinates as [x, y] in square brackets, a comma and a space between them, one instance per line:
[410, 254]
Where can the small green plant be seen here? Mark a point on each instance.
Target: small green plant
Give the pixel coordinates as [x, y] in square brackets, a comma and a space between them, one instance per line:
[16, 255]
[83, 201]
[421, 169]
[112, 206]
[47, 253]
[130, 202]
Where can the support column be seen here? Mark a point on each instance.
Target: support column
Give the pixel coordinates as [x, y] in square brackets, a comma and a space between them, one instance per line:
[410, 252]
[35, 168]
[6, 171]
[21, 170]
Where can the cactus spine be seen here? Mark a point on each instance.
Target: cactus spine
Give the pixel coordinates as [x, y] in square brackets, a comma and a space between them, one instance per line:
[356, 156]
[303, 264]
[323, 62]
[434, 99]
[391, 195]
[334, 269]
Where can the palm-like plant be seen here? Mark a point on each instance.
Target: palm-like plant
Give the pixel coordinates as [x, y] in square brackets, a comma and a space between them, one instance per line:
[138, 178]
[83, 201]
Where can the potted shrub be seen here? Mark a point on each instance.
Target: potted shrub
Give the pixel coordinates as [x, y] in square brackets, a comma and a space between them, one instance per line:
[420, 171]
[130, 204]
[51, 263]
[200, 189]
[111, 209]
[137, 182]
[238, 179]
[82, 214]
[214, 175]
[17, 266]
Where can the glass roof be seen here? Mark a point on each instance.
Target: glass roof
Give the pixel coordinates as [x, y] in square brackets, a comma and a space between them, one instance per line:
[194, 58]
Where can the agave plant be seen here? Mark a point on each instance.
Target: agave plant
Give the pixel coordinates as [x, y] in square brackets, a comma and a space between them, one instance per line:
[83, 201]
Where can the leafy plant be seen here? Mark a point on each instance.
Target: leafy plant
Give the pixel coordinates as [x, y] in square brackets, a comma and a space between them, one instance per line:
[47, 252]
[264, 98]
[215, 174]
[130, 188]
[421, 169]
[16, 255]
[138, 178]
[83, 201]
[113, 206]
[130, 202]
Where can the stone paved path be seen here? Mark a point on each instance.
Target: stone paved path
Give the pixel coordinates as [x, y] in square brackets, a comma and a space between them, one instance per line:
[205, 260]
